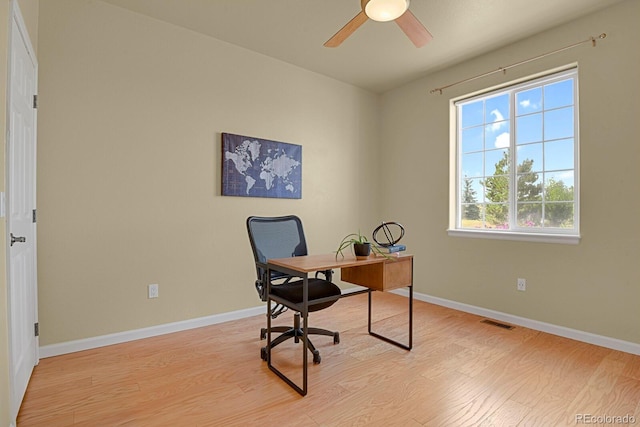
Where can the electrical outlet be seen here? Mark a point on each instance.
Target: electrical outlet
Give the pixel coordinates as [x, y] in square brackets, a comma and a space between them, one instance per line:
[153, 290]
[522, 284]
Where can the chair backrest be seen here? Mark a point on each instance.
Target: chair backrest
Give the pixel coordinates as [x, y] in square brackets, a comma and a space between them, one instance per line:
[275, 237]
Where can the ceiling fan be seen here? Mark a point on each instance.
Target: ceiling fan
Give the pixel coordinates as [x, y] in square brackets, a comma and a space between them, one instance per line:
[382, 11]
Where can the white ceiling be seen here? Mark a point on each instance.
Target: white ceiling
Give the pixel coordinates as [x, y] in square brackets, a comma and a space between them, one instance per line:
[378, 56]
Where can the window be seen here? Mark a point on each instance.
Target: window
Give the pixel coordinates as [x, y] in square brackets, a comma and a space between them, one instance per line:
[531, 125]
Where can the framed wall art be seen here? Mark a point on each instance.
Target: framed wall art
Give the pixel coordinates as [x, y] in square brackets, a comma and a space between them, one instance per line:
[254, 167]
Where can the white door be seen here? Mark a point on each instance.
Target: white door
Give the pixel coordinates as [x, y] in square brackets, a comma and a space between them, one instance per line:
[21, 204]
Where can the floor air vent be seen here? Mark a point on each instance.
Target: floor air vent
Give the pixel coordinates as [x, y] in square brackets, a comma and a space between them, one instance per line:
[498, 324]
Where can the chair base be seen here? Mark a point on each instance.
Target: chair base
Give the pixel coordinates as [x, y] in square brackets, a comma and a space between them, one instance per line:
[295, 332]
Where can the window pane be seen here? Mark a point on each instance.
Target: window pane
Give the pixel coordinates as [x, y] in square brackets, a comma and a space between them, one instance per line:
[558, 94]
[496, 162]
[472, 216]
[473, 114]
[559, 154]
[497, 108]
[559, 196]
[472, 164]
[529, 158]
[497, 216]
[530, 214]
[559, 215]
[497, 135]
[529, 101]
[558, 123]
[496, 188]
[472, 139]
[529, 128]
[558, 186]
[529, 187]
[471, 190]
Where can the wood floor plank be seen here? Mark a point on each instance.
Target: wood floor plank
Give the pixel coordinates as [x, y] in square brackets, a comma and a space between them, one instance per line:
[460, 372]
[592, 398]
[620, 400]
[550, 410]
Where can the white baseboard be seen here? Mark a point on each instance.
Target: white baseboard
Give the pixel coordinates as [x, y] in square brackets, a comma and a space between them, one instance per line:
[117, 338]
[152, 331]
[603, 341]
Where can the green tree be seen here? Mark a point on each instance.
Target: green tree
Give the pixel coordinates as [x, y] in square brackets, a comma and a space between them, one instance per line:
[529, 190]
[471, 209]
[497, 191]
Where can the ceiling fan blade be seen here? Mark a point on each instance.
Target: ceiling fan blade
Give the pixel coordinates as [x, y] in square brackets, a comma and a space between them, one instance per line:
[414, 29]
[347, 30]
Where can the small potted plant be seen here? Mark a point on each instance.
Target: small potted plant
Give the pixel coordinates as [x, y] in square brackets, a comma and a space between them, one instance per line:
[361, 246]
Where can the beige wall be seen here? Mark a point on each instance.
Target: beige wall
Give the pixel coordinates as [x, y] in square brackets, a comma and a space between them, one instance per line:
[29, 9]
[131, 111]
[593, 286]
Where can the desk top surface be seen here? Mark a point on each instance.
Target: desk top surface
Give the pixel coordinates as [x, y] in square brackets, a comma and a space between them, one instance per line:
[310, 263]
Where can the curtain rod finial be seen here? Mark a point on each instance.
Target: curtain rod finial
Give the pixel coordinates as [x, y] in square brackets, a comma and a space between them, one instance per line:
[601, 36]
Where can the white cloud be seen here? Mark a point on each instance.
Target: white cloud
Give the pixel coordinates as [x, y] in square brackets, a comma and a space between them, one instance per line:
[526, 103]
[498, 121]
[502, 140]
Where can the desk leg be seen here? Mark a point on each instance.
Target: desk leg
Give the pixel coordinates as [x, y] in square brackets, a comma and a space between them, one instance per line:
[305, 334]
[389, 340]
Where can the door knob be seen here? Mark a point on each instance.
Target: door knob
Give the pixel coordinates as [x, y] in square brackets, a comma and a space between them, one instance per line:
[15, 239]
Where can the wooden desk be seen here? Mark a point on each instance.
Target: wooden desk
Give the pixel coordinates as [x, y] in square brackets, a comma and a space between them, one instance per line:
[376, 273]
[390, 274]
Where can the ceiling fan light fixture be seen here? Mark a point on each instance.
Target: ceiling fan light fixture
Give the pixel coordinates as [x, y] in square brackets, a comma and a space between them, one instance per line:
[384, 10]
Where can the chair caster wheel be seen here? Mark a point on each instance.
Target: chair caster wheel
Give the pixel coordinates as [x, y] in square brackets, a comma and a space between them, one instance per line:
[336, 338]
[316, 357]
[263, 333]
[263, 353]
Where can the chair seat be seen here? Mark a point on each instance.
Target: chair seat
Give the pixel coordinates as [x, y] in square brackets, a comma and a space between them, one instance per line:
[318, 288]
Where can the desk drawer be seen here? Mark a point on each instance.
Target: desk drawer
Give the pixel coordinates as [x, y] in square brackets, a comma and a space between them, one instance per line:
[383, 276]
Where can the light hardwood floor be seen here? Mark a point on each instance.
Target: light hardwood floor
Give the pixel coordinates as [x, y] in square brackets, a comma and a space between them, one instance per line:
[461, 372]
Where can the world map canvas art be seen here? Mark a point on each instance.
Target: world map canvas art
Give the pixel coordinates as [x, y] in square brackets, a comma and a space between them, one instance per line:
[254, 167]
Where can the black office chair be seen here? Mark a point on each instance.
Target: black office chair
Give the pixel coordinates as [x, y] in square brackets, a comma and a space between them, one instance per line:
[283, 237]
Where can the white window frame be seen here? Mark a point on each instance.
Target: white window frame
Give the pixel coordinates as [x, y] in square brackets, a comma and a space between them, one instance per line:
[535, 234]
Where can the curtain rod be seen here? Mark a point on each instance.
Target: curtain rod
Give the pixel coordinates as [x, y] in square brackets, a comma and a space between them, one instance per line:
[504, 69]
